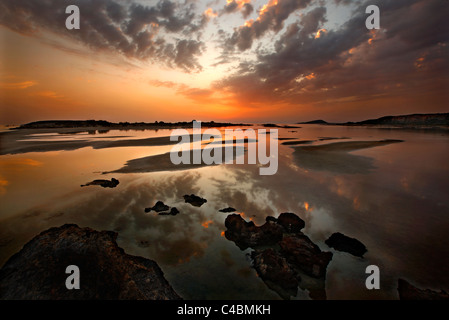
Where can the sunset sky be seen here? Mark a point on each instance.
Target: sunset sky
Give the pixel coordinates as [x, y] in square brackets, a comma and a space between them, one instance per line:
[225, 60]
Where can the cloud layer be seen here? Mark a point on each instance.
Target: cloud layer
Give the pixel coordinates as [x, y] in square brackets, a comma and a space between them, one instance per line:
[312, 65]
[131, 29]
[283, 52]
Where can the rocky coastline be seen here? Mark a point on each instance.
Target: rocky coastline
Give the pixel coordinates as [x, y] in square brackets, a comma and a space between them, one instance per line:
[37, 272]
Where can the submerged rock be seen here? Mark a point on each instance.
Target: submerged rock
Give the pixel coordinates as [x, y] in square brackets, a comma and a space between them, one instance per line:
[158, 207]
[194, 200]
[409, 292]
[291, 222]
[106, 271]
[104, 183]
[301, 252]
[290, 255]
[275, 271]
[340, 242]
[247, 234]
[173, 212]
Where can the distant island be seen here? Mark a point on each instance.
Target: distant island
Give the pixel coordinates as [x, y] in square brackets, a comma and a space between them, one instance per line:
[62, 124]
[410, 121]
[314, 122]
[436, 121]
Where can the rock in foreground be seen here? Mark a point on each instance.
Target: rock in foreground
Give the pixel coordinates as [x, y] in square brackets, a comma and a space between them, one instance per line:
[283, 256]
[301, 252]
[275, 271]
[340, 242]
[247, 234]
[106, 271]
[291, 222]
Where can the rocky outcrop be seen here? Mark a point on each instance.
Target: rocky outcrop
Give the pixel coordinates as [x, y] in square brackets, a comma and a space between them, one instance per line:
[158, 207]
[305, 255]
[282, 253]
[290, 222]
[340, 242]
[103, 183]
[247, 234]
[162, 209]
[173, 212]
[194, 200]
[409, 292]
[106, 271]
[275, 271]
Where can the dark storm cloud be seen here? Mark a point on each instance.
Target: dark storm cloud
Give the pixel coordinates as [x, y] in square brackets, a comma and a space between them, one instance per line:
[233, 6]
[408, 55]
[131, 29]
[247, 9]
[271, 18]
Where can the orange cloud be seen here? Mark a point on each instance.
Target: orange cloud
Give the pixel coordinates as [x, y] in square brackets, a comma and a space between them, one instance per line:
[48, 94]
[240, 3]
[166, 84]
[18, 85]
[249, 23]
[310, 76]
[320, 33]
[210, 13]
[265, 7]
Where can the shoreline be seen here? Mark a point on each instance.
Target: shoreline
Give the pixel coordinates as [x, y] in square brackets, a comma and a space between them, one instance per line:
[106, 125]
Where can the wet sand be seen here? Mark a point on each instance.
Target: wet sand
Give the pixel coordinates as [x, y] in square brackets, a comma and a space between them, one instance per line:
[335, 157]
[21, 142]
[162, 162]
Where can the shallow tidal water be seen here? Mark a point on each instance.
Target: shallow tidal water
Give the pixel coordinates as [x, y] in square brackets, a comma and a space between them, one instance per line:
[393, 198]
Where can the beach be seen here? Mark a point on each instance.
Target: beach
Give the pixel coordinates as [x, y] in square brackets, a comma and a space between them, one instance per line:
[362, 182]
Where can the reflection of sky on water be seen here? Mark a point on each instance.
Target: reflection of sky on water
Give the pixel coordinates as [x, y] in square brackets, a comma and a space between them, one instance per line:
[398, 209]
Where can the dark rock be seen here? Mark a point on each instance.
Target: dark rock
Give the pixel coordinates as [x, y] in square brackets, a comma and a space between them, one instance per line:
[194, 200]
[409, 292]
[270, 219]
[104, 183]
[340, 242]
[301, 252]
[291, 255]
[106, 271]
[274, 270]
[158, 207]
[173, 212]
[247, 234]
[227, 210]
[291, 222]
